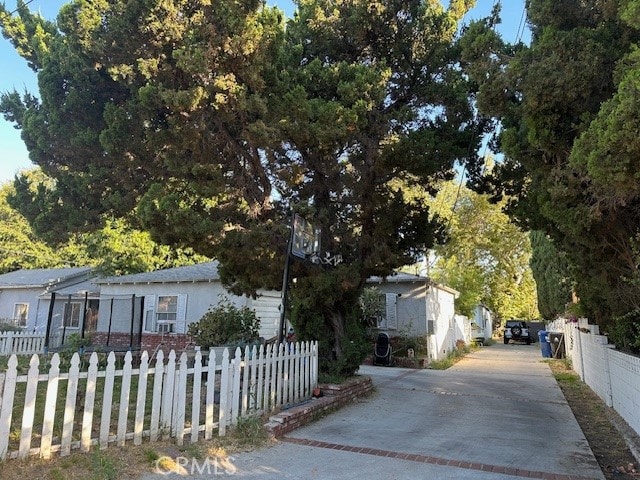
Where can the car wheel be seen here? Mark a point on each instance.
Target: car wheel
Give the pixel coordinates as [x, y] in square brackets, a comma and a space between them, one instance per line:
[506, 340]
[528, 341]
[516, 332]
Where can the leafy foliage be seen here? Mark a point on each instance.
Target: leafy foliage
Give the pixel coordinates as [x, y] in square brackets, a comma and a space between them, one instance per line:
[566, 104]
[19, 246]
[486, 257]
[553, 279]
[210, 123]
[372, 304]
[225, 324]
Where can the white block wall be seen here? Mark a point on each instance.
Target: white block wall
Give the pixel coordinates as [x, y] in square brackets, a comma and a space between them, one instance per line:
[625, 386]
[613, 375]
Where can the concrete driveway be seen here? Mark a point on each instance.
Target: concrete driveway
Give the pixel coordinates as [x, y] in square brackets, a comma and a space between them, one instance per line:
[497, 414]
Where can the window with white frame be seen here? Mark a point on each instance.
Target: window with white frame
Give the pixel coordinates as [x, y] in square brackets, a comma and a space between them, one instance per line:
[72, 312]
[20, 314]
[166, 313]
[388, 319]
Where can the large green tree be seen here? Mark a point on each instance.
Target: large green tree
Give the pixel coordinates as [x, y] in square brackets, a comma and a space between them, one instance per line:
[211, 123]
[553, 278]
[19, 246]
[486, 257]
[566, 107]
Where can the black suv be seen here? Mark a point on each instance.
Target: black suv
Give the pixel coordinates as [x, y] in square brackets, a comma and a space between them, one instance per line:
[517, 330]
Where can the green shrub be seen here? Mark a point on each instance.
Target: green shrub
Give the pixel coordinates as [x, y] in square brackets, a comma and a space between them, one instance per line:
[225, 324]
[8, 326]
[625, 333]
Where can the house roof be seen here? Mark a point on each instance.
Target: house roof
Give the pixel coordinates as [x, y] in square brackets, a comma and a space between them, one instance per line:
[402, 277]
[40, 277]
[398, 277]
[89, 287]
[202, 272]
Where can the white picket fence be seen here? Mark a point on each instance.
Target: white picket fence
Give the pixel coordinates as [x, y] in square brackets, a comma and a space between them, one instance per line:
[185, 399]
[21, 343]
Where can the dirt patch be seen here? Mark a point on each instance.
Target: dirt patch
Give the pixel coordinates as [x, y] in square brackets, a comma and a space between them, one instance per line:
[132, 462]
[608, 445]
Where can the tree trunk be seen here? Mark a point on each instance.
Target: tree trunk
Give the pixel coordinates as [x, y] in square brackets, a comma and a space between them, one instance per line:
[336, 320]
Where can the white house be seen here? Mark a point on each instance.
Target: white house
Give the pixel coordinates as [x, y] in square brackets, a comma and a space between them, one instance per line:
[415, 305]
[25, 295]
[147, 309]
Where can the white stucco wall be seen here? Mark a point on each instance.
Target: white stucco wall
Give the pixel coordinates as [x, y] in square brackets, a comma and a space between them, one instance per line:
[441, 309]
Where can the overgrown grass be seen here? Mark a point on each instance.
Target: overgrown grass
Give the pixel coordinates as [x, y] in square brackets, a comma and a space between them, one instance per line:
[134, 462]
[452, 357]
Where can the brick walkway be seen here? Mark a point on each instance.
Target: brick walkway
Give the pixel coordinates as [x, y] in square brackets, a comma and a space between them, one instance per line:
[516, 472]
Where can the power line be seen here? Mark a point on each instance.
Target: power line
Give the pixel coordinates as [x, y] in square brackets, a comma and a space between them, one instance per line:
[18, 8]
[521, 26]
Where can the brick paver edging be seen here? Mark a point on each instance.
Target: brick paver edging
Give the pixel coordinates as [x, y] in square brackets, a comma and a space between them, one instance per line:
[498, 469]
[333, 396]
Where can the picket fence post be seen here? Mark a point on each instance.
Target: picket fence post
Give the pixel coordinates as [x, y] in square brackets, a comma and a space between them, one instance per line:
[224, 393]
[107, 400]
[196, 398]
[50, 403]
[125, 390]
[6, 408]
[245, 383]
[89, 403]
[141, 398]
[70, 406]
[180, 395]
[28, 414]
[167, 397]
[156, 404]
[210, 395]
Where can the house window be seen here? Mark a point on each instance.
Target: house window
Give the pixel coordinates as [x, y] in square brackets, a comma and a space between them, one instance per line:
[20, 313]
[166, 313]
[72, 314]
[389, 318]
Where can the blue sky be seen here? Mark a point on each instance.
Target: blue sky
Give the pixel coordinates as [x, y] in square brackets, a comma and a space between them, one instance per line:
[16, 75]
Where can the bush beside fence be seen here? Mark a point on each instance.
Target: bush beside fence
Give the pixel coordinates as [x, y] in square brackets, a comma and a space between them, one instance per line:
[613, 375]
[185, 398]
